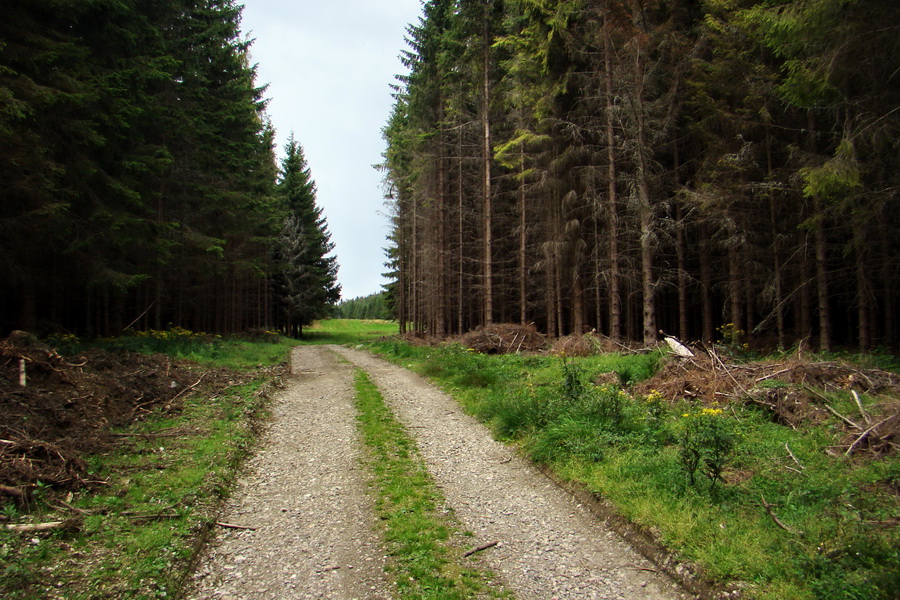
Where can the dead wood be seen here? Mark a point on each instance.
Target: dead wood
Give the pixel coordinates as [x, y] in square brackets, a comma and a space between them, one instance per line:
[480, 549]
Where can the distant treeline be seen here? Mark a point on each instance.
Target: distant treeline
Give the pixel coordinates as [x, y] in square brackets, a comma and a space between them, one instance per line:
[636, 166]
[373, 306]
[139, 181]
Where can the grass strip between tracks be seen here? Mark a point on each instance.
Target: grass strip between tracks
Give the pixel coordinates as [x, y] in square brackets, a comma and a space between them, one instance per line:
[419, 530]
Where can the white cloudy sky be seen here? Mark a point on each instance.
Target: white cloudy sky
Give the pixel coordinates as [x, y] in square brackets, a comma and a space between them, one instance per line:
[329, 64]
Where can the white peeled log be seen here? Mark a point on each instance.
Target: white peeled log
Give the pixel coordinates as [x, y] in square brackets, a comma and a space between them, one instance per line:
[678, 348]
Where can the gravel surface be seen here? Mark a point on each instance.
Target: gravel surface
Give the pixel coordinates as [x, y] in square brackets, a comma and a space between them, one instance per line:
[306, 495]
[315, 529]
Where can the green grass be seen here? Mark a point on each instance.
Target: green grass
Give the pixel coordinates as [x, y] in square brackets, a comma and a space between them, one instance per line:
[162, 482]
[425, 562]
[239, 352]
[841, 540]
[348, 331]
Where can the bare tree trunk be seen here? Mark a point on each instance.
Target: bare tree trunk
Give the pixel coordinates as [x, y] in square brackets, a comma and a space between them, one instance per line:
[487, 157]
[523, 240]
[440, 317]
[822, 279]
[645, 209]
[805, 294]
[776, 256]
[709, 321]
[460, 224]
[863, 305]
[735, 281]
[615, 299]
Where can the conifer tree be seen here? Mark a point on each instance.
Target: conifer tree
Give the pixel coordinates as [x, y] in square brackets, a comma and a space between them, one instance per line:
[308, 287]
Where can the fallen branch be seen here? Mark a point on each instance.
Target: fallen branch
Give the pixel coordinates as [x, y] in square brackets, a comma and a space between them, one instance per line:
[152, 517]
[13, 491]
[862, 410]
[788, 448]
[771, 375]
[722, 364]
[231, 526]
[35, 527]
[865, 434]
[842, 417]
[187, 389]
[775, 518]
[480, 549]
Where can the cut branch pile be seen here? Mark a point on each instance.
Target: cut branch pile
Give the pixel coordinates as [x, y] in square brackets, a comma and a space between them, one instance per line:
[504, 338]
[793, 391]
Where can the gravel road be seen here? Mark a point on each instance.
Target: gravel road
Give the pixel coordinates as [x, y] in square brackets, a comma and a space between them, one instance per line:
[315, 535]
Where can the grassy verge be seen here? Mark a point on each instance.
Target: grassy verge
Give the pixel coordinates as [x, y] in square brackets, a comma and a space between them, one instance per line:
[754, 503]
[156, 490]
[425, 563]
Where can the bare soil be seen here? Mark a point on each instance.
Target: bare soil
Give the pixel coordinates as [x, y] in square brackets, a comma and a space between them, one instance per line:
[69, 404]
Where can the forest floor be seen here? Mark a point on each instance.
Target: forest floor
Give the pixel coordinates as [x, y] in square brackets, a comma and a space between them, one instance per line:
[314, 532]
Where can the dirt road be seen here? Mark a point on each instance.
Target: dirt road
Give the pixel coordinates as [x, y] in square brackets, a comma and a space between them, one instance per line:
[314, 531]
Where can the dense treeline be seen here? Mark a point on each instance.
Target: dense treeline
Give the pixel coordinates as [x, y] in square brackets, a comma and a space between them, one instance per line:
[140, 185]
[373, 306]
[643, 165]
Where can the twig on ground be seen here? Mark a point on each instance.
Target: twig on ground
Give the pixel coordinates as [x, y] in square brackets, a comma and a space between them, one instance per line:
[34, 527]
[866, 433]
[862, 410]
[791, 454]
[842, 417]
[775, 518]
[232, 526]
[480, 549]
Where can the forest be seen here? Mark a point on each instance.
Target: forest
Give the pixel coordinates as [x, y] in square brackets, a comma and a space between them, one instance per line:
[705, 168]
[140, 185]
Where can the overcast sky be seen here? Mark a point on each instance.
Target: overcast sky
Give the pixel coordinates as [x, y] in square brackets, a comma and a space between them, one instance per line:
[329, 65]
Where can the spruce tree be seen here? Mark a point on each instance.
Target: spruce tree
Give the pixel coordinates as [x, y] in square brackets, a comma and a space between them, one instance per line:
[308, 287]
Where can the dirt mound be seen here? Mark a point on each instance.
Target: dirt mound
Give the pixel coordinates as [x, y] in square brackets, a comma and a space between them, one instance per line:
[792, 390]
[504, 338]
[67, 405]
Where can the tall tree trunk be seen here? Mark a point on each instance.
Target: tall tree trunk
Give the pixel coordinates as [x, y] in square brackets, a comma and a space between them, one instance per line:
[822, 278]
[805, 292]
[441, 301]
[735, 280]
[645, 208]
[487, 157]
[776, 252]
[709, 320]
[863, 303]
[821, 252]
[460, 295]
[681, 257]
[577, 301]
[523, 247]
[615, 295]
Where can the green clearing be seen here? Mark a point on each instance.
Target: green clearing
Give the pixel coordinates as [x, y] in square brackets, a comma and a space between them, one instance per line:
[817, 525]
[348, 331]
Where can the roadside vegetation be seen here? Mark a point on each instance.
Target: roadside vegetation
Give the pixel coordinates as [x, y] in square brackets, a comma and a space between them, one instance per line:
[421, 536]
[132, 465]
[779, 504]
